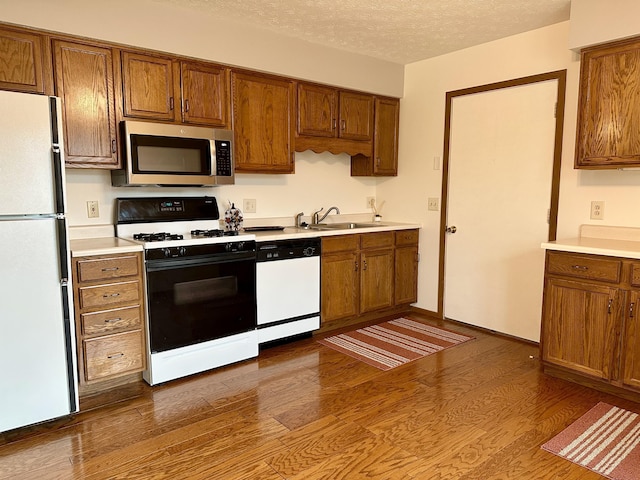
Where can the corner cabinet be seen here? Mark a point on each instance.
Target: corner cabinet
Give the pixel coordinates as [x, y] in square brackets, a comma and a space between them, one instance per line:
[590, 323]
[263, 123]
[367, 273]
[83, 79]
[384, 159]
[609, 106]
[109, 317]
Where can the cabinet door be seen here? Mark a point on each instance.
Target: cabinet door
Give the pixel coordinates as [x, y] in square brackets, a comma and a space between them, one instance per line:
[205, 94]
[21, 61]
[376, 287]
[609, 109]
[631, 343]
[356, 116]
[317, 110]
[385, 146]
[262, 112]
[339, 285]
[406, 275]
[580, 326]
[84, 82]
[148, 87]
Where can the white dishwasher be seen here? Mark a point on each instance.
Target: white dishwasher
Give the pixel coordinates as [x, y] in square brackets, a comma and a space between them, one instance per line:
[287, 288]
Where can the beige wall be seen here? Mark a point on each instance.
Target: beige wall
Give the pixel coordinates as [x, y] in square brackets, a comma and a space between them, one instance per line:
[422, 131]
[163, 27]
[599, 21]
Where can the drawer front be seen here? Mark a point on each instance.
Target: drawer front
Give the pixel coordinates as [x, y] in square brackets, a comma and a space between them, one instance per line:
[107, 295]
[407, 237]
[376, 240]
[90, 270]
[110, 321]
[635, 275]
[583, 266]
[340, 243]
[114, 354]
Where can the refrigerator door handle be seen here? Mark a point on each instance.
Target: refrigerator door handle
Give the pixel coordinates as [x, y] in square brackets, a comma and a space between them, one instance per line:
[61, 226]
[58, 176]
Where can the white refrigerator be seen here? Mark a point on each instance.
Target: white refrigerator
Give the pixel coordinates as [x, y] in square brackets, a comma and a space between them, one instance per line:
[37, 348]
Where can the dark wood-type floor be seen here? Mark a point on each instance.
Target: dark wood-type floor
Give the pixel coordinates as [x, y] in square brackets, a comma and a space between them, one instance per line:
[479, 410]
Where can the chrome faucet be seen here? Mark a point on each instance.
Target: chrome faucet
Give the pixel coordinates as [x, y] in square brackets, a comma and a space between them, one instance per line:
[299, 219]
[314, 218]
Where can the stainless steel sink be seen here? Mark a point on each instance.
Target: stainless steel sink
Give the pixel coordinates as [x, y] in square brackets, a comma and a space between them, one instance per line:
[343, 226]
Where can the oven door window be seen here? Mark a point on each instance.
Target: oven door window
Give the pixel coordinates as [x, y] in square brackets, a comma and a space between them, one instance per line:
[182, 156]
[196, 303]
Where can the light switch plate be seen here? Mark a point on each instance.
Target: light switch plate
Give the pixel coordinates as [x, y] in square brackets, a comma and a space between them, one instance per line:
[433, 204]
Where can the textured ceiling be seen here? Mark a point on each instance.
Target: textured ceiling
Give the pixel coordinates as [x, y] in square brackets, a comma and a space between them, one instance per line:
[400, 31]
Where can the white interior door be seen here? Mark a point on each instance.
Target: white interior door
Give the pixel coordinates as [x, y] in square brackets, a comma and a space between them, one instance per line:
[500, 178]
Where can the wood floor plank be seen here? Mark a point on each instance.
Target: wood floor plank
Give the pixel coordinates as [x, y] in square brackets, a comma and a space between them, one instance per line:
[480, 410]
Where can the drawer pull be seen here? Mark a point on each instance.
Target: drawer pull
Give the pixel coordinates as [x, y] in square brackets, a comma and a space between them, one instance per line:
[115, 355]
[109, 320]
[111, 269]
[110, 295]
[580, 267]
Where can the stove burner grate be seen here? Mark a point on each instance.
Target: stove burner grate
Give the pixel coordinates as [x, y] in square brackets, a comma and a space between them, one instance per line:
[157, 237]
[212, 233]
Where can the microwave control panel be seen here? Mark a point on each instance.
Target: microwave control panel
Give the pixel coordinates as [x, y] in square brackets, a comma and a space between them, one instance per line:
[224, 168]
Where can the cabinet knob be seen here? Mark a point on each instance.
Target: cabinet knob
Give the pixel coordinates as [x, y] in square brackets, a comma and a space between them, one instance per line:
[186, 105]
[356, 266]
[631, 310]
[113, 146]
[364, 265]
[609, 305]
[170, 103]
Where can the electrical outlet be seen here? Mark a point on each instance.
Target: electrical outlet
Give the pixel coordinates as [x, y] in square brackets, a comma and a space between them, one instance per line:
[433, 204]
[92, 209]
[597, 210]
[249, 205]
[371, 202]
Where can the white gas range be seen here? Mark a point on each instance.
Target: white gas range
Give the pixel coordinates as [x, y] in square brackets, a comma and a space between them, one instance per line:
[200, 285]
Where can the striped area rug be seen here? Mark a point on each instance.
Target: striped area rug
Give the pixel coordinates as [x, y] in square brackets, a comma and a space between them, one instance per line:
[605, 440]
[394, 343]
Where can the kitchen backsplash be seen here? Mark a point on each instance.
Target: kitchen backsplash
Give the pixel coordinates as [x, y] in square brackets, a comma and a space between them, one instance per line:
[321, 180]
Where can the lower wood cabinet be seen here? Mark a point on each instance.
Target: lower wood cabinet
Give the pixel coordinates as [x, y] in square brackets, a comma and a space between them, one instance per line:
[369, 272]
[589, 323]
[109, 316]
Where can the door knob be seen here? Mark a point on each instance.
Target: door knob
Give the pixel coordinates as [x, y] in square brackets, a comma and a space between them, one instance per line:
[451, 229]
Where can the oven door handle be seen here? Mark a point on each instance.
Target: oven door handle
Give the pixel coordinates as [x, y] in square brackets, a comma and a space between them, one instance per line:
[203, 260]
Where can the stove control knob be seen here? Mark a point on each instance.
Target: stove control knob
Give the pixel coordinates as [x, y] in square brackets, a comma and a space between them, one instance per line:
[167, 252]
[240, 246]
[182, 252]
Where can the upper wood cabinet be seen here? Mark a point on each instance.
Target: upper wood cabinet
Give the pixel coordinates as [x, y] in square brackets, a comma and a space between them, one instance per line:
[205, 94]
[332, 120]
[84, 81]
[317, 110]
[609, 106]
[384, 159]
[262, 123]
[21, 61]
[356, 116]
[148, 88]
[165, 89]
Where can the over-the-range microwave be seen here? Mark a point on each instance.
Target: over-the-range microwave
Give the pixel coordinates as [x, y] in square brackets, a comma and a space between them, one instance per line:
[175, 155]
